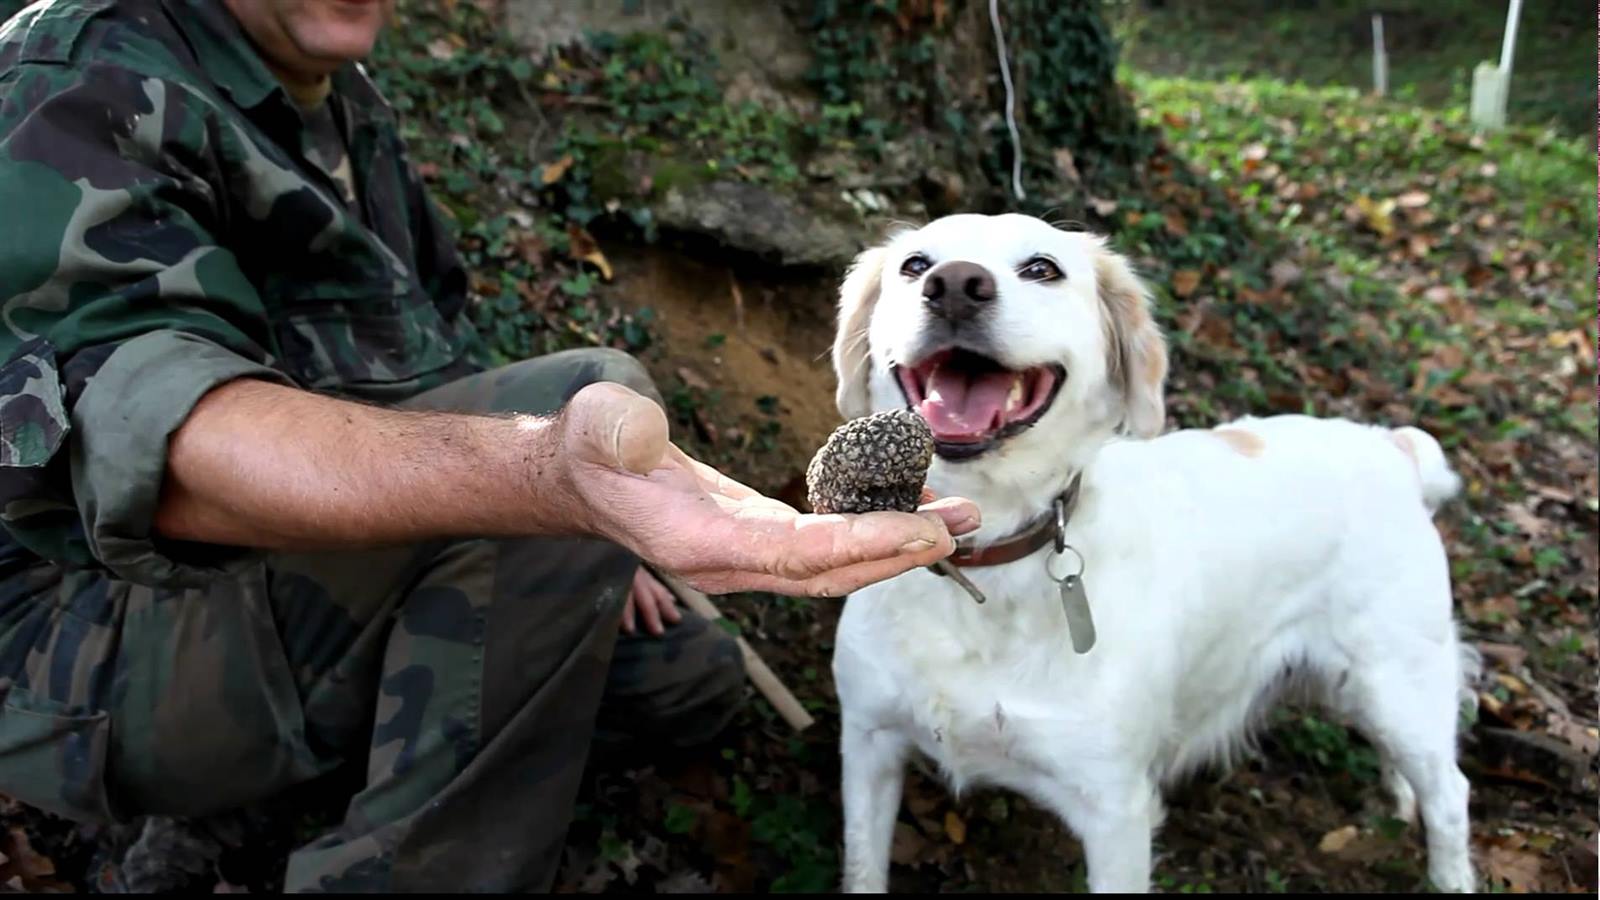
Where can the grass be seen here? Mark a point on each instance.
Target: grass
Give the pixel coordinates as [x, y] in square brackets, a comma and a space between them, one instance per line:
[1432, 46]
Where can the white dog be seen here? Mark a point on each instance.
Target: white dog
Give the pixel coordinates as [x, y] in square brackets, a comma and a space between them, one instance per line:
[1219, 565]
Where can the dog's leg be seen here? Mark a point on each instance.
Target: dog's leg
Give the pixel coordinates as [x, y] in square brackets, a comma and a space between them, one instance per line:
[874, 775]
[1115, 822]
[1405, 799]
[1409, 712]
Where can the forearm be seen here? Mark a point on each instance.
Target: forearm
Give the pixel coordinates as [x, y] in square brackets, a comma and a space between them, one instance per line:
[263, 465]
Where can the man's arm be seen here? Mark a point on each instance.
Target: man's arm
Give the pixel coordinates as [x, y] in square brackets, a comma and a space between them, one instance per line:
[264, 465]
[273, 467]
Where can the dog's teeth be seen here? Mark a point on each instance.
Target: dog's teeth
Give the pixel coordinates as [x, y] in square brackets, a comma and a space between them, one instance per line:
[1014, 401]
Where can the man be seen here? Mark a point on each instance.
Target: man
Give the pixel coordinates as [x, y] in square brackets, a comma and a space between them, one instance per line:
[265, 515]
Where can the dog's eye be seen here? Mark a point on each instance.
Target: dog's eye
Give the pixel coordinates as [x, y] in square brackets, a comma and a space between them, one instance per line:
[1039, 269]
[915, 265]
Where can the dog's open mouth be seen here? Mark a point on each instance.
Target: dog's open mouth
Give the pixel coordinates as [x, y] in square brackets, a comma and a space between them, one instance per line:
[971, 402]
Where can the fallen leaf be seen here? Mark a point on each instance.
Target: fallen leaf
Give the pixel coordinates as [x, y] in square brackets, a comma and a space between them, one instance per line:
[1176, 225]
[1554, 493]
[1584, 740]
[1509, 655]
[1338, 839]
[585, 249]
[684, 882]
[1511, 683]
[1516, 867]
[908, 844]
[1412, 199]
[1184, 281]
[1101, 207]
[532, 248]
[1285, 273]
[1379, 216]
[552, 173]
[692, 378]
[24, 859]
[955, 828]
[1523, 518]
[1066, 166]
[441, 50]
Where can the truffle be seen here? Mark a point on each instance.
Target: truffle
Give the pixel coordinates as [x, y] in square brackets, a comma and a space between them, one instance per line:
[872, 464]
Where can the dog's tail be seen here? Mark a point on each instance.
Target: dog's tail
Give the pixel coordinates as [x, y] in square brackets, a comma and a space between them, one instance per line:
[1440, 483]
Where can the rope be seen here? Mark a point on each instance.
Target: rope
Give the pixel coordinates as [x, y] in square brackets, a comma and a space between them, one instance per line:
[1011, 119]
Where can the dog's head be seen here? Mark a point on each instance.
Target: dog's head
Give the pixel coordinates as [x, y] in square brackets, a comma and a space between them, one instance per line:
[1001, 331]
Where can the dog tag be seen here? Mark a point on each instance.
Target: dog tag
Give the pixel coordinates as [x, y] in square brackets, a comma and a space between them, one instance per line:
[1075, 604]
[946, 567]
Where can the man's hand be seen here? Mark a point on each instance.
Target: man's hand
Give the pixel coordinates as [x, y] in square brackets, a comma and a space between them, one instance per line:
[717, 534]
[650, 602]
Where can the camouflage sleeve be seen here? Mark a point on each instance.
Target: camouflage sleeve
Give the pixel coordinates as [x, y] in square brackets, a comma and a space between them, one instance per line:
[119, 312]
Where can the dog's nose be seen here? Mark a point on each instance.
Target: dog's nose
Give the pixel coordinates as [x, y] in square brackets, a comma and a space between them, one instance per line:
[957, 290]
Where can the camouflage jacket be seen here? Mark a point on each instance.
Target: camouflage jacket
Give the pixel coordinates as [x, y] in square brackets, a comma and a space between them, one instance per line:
[162, 231]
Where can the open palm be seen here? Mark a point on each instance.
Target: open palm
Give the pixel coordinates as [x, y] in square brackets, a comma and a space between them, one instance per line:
[722, 536]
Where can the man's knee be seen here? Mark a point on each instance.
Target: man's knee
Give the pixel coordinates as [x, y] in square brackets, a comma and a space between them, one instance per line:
[620, 368]
[539, 386]
[544, 385]
[678, 689]
[716, 694]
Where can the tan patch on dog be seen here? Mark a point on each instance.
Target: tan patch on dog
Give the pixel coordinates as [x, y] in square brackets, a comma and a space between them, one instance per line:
[1403, 441]
[1244, 443]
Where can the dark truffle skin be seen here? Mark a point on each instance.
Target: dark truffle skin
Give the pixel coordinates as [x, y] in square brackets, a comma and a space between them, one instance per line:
[872, 464]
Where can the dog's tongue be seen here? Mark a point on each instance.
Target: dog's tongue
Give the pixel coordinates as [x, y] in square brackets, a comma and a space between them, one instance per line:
[965, 408]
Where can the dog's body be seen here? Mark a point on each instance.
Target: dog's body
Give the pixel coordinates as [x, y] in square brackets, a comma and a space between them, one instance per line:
[1220, 566]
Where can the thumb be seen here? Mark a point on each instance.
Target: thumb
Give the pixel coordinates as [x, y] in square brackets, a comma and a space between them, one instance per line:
[609, 425]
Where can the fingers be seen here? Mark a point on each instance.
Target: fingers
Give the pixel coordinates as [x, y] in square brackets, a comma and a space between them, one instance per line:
[627, 611]
[651, 603]
[649, 612]
[836, 583]
[807, 546]
[780, 547]
[668, 604]
[609, 425]
[960, 515]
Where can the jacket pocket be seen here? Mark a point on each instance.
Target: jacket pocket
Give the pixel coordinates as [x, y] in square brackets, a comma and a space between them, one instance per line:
[54, 757]
[33, 419]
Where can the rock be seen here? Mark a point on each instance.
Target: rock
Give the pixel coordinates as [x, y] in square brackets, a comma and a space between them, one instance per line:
[1555, 761]
[754, 219]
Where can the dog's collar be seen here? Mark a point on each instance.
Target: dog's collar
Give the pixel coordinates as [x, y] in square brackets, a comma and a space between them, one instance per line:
[1050, 528]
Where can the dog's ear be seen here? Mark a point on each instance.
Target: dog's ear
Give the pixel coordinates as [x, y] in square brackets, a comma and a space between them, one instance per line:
[857, 297]
[1137, 351]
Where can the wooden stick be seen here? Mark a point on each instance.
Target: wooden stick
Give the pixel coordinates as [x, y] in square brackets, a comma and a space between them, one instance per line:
[760, 673]
[738, 301]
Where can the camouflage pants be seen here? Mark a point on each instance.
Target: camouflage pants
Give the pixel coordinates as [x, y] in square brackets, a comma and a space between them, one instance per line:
[472, 676]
